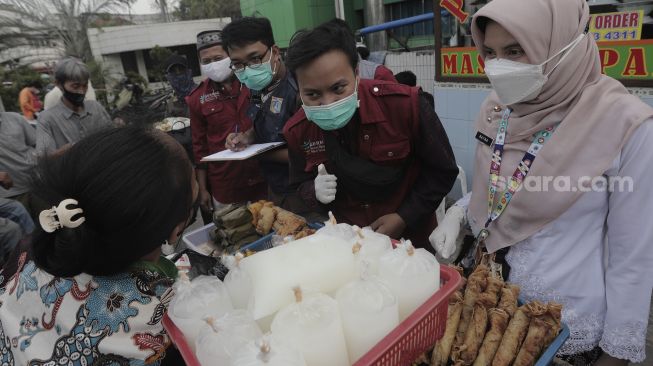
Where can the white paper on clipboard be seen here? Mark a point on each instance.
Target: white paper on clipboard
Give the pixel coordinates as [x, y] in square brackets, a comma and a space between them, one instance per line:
[250, 151]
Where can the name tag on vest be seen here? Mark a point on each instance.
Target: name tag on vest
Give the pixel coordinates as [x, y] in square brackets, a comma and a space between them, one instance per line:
[484, 138]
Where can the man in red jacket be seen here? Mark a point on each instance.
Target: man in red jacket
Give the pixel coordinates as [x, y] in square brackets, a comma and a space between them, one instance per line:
[217, 108]
[373, 152]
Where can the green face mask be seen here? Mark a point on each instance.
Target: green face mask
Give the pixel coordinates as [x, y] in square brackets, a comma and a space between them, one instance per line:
[335, 115]
[256, 78]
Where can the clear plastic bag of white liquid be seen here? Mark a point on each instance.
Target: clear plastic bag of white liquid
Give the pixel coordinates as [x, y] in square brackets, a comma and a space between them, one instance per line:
[369, 248]
[369, 311]
[343, 231]
[312, 324]
[219, 339]
[237, 281]
[194, 301]
[412, 274]
[267, 351]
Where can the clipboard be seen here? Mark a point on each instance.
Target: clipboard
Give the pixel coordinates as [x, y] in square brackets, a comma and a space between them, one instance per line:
[249, 152]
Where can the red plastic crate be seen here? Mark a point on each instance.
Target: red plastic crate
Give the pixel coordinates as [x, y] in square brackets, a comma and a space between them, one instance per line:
[178, 340]
[414, 336]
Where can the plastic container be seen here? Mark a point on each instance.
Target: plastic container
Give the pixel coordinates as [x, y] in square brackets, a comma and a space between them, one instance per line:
[196, 240]
[266, 241]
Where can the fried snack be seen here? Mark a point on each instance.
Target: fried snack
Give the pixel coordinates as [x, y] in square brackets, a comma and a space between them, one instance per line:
[266, 220]
[442, 348]
[288, 223]
[491, 293]
[474, 335]
[422, 359]
[255, 209]
[498, 320]
[553, 319]
[508, 301]
[458, 269]
[475, 285]
[533, 343]
[461, 271]
[536, 309]
[304, 233]
[512, 338]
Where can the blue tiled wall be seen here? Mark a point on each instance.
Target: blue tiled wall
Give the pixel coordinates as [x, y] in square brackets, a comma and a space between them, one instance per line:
[648, 100]
[457, 109]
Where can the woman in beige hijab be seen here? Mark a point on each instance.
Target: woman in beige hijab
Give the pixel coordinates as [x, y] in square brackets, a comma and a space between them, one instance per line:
[572, 147]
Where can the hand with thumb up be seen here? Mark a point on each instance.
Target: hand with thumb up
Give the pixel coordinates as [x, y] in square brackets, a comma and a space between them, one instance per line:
[325, 185]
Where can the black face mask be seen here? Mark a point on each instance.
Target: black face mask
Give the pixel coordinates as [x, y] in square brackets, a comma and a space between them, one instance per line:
[75, 98]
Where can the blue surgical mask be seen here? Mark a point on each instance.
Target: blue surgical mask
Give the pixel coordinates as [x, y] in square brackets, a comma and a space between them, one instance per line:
[257, 78]
[335, 115]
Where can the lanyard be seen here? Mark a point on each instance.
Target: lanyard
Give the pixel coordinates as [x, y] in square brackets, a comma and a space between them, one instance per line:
[517, 179]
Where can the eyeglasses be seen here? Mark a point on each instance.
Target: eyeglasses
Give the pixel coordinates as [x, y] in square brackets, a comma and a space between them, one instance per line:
[252, 63]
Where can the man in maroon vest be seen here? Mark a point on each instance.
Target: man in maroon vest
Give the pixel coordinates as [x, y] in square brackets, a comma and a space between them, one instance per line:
[218, 107]
[373, 152]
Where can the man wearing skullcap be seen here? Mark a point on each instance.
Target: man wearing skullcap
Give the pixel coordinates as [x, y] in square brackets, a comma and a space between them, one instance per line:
[218, 107]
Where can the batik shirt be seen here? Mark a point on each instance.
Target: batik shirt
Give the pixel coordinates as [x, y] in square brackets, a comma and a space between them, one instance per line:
[83, 320]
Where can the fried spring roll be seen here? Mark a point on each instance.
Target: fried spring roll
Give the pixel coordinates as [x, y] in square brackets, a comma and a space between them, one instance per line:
[475, 285]
[474, 335]
[508, 301]
[512, 338]
[536, 309]
[442, 348]
[533, 343]
[553, 318]
[491, 293]
[498, 319]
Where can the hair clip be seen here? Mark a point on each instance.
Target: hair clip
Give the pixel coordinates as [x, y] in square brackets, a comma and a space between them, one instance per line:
[60, 216]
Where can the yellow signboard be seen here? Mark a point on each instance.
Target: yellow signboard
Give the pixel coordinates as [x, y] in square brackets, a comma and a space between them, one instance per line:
[621, 26]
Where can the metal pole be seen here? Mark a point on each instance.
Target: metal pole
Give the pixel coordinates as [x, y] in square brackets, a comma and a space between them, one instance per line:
[396, 23]
[374, 13]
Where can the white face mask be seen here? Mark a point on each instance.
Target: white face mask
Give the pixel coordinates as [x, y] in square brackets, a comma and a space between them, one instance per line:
[516, 82]
[217, 71]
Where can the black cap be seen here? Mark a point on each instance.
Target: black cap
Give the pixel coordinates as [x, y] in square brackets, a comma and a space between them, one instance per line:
[175, 60]
[208, 39]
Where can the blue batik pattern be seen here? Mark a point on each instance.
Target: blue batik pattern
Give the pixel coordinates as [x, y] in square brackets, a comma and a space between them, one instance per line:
[109, 304]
